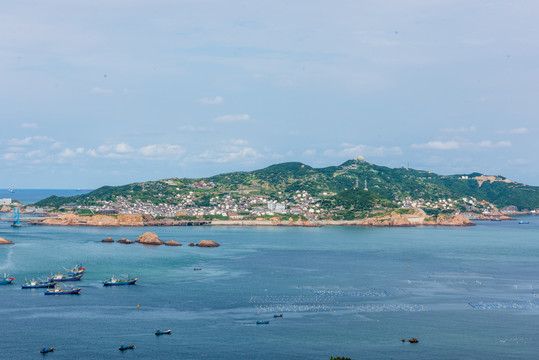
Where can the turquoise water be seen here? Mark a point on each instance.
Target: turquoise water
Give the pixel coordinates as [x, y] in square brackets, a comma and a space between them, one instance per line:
[343, 291]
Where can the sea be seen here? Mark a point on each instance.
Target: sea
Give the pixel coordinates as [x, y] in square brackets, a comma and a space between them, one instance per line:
[30, 196]
[356, 292]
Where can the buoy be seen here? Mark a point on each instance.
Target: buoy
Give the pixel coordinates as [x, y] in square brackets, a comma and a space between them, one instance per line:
[138, 306]
[408, 266]
[403, 340]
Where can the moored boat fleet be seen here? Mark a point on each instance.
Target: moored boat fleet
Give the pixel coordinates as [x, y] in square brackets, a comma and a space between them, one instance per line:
[52, 284]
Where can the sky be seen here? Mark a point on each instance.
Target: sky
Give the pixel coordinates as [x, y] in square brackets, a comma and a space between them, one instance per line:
[98, 92]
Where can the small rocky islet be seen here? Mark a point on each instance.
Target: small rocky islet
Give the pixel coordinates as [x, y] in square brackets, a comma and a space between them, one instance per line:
[151, 238]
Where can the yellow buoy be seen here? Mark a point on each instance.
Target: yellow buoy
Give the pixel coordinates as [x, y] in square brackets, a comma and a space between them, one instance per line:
[138, 306]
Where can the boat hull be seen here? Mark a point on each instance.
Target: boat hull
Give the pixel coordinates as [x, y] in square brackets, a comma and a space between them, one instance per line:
[6, 281]
[63, 292]
[130, 282]
[38, 286]
[73, 278]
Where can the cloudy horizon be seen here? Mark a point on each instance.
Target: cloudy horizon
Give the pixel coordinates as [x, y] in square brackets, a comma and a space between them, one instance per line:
[100, 93]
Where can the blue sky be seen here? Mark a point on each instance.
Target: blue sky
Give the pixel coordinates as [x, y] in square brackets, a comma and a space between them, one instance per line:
[111, 92]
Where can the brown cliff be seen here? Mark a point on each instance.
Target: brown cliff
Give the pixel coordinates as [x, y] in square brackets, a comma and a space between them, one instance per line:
[95, 220]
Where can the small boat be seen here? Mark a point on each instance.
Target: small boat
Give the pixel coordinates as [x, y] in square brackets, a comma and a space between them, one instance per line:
[59, 277]
[114, 281]
[126, 347]
[262, 322]
[278, 315]
[521, 222]
[197, 269]
[47, 350]
[38, 284]
[159, 332]
[58, 291]
[6, 280]
[413, 341]
[77, 270]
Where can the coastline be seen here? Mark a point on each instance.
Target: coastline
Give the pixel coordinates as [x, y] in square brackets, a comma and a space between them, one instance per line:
[394, 219]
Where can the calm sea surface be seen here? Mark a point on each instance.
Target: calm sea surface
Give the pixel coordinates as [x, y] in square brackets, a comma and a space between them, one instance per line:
[465, 293]
[30, 196]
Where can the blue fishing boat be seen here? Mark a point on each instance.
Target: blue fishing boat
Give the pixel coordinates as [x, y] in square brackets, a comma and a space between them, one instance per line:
[126, 347]
[522, 222]
[34, 284]
[47, 350]
[262, 322]
[76, 271]
[59, 277]
[59, 291]
[6, 280]
[159, 332]
[114, 281]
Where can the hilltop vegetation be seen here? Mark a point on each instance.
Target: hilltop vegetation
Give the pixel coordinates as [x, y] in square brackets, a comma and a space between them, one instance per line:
[337, 189]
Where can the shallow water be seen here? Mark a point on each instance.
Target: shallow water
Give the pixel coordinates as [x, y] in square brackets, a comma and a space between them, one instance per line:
[343, 291]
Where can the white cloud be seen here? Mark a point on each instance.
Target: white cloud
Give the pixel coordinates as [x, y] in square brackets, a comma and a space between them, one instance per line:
[161, 149]
[216, 100]
[309, 152]
[233, 118]
[121, 148]
[438, 145]
[101, 91]
[239, 142]
[29, 125]
[67, 153]
[29, 140]
[516, 131]
[352, 150]
[10, 156]
[461, 129]
[456, 145]
[490, 144]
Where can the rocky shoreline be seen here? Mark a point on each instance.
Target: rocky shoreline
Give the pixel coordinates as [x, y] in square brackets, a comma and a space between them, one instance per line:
[394, 219]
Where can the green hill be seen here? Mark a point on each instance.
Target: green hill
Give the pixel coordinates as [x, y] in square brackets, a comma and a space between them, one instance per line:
[335, 186]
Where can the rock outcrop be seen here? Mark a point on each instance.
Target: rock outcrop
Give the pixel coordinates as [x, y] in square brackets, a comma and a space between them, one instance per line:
[108, 240]
[172, 243]
[191, 244]
[6, 208]
[5, 242]
[125, 241]
[95, 220]
[207, 243]
[149, 238]
[453, 220]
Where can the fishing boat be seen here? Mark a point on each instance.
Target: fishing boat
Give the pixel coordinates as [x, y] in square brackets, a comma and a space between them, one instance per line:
[278, 315]
[77, 270]
[58, 291]
[114, 281]
[126, 347]
[34, 284]
[6, 280]
[262, 322]
[159, 332]
[522, 222]
[47, 350]
[59, 277]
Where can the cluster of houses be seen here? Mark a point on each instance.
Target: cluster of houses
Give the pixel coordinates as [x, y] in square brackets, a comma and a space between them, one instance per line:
[227, 205]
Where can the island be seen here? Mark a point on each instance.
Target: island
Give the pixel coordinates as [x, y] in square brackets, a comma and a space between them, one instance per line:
[355, 193]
